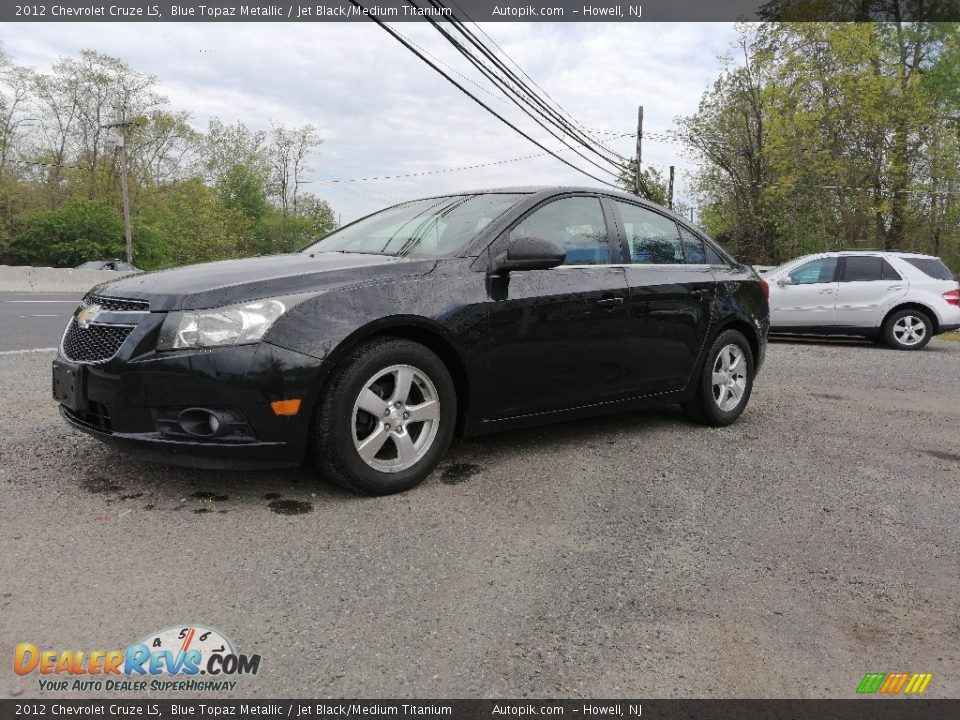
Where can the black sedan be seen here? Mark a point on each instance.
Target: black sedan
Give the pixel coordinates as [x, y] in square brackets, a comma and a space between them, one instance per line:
[367, 351]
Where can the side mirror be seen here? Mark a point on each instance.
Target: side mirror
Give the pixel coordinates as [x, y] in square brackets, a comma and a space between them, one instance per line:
[784, 281]
[529, 253]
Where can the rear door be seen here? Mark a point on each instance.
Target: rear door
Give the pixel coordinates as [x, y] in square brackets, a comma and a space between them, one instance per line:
[805, 296]
[669, 292]
[556, 336]
[869, 286]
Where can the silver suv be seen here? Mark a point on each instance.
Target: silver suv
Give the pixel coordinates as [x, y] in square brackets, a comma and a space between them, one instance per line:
[900, 298]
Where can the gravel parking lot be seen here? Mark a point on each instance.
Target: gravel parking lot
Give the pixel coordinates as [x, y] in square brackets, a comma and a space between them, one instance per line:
[632, 556]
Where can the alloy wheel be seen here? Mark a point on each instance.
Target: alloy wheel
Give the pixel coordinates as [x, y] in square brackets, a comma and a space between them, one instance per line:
[395, 418]
[729, 377]
[909, 330]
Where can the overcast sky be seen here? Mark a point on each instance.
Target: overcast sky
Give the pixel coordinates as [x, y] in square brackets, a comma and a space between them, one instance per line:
[381, 111]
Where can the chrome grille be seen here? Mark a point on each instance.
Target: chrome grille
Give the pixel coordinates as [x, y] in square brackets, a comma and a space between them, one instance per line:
[94, 343]
[117, 304]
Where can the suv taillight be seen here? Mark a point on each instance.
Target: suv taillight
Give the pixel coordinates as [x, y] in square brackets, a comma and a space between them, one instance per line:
[952, 297]
[765, 289]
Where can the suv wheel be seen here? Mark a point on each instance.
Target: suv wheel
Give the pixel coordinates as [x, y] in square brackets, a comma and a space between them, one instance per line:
[907, 330]
[386, 419]
[725, 381]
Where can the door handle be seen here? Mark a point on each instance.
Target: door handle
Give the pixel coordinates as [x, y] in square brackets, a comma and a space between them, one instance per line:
[828, 291]
[895, 287]
[610, 304]
[700, 293]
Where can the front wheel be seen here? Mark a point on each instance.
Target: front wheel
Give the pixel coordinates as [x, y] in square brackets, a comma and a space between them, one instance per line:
[386, 419]
[907, 330]
[726, 381]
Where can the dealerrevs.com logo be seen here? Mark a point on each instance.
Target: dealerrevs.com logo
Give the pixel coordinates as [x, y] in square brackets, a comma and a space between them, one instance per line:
[168, 660]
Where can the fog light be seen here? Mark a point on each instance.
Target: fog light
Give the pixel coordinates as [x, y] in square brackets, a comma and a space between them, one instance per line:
[202, 423]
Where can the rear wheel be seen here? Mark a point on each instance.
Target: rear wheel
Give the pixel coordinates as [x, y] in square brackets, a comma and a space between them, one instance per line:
[725, 382]
[907, 330]
[386, 419]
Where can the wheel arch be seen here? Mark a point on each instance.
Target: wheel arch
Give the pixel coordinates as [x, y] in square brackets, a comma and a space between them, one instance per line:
[420, 330]
[919, 307]
[745, 329]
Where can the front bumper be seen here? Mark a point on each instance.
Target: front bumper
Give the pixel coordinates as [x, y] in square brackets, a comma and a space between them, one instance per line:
[128, 401]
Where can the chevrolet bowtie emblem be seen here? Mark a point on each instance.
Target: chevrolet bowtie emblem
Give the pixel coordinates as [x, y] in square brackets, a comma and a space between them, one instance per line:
[87, 315]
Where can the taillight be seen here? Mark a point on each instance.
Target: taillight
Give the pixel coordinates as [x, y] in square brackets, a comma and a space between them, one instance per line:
[952, 297]
[765, 289]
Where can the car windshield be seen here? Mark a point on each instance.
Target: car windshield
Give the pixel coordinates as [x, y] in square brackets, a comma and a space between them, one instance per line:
[422, 228]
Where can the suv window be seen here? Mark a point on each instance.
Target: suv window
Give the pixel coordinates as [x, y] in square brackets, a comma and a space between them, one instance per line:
[815, 271]
[692, 248]
[651, 237]
[931, 267]
[576, 224]
[864, 269]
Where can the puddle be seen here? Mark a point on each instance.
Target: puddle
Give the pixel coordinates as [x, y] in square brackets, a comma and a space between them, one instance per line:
[209, 496]
[941, 455]
[458, 473]
[290, 507]
[201, 511]
[100, 486]
[271, 496]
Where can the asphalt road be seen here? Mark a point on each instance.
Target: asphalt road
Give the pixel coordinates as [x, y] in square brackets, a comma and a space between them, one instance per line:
[814, 541]
[34, 320]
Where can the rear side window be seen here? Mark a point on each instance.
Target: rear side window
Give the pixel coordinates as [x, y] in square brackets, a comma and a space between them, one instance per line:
[653, 239]
[815, 271]
[865, 269]
[932, 267]
[693, 253]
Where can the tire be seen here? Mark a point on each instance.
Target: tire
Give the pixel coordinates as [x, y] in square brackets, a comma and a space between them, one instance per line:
[365, 437]
[908, 330]
[717, 405]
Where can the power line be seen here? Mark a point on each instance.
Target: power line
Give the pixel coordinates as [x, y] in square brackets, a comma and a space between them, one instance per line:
[508, 81]
[473, 97]
[532, 80]
[514, 96]
[437, 171]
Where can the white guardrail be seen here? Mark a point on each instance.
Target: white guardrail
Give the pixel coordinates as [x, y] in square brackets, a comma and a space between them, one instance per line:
[23, 278]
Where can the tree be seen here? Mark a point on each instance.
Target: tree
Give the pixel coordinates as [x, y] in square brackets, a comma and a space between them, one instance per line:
[79, 231]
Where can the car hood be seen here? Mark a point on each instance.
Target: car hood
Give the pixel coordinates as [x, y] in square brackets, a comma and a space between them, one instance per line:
[233, 281]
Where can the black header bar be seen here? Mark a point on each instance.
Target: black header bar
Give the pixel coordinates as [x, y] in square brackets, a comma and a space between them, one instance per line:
[478, 10]
[873, 708]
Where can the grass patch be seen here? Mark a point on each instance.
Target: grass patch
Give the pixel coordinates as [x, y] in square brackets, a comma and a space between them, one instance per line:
[953, 336]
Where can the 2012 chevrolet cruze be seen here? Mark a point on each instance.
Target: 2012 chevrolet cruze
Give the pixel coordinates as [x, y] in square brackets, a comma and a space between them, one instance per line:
[369, 349]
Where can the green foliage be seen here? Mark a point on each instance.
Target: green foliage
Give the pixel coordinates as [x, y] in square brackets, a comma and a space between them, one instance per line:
[653, 186]
[833, 135]
[78, 231]
[194, 197]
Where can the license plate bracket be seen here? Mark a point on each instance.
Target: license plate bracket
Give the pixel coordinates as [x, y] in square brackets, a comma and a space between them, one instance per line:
[68, 385]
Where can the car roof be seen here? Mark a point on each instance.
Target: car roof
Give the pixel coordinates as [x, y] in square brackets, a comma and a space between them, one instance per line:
[549, 190]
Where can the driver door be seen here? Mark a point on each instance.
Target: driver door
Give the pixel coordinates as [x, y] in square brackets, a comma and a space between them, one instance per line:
[806, 296]
[556, 336]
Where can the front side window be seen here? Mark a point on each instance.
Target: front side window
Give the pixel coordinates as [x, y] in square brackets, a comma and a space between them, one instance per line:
[576, 224]
[815, 271]
[422, 228]
[652, 238]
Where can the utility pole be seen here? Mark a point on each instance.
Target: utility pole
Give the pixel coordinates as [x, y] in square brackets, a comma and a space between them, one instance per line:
[122, 125]
[670, 190]
[636, 168]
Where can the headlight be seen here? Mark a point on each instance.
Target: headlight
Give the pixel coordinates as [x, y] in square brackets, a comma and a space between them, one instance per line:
[231, 325]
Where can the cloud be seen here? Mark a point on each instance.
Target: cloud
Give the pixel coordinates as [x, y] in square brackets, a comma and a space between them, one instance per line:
[384, 112]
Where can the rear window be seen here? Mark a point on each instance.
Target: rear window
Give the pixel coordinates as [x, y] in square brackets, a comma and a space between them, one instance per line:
[933, 267]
